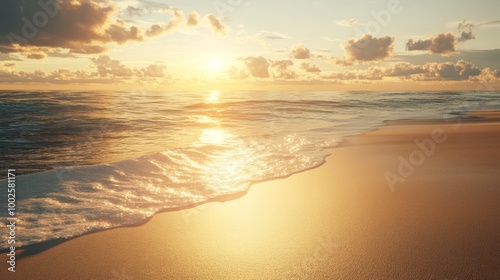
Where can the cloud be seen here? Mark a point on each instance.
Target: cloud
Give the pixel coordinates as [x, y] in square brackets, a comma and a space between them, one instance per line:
[372, 73]
[257, 66]
[466, 36]
[264, 37]
[154, 71]
[280, 70]
[465, 25]
[134, 11]
[487, 75]
[217, 27]
[481, 58]
[267, 35]
[404, 69]
[366, 49]
[237, 73]
[461, 70]
[443, 43]
[111, 67]
[347, 22]
[82, 26]
[310, 67]
[62, 24]
[171, 26]
[260, 67]
[420, 45]
[300, 52]
[448, 71]
[193, 19]
[106, 71]
[36, 56]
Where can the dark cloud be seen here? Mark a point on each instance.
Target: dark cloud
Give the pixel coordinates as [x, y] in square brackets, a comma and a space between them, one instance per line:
[443, 43]
[466, 25]
[82, 26]
[420, 45]
[466, 36]
[366, 49]
[62, 24]
[300, 52]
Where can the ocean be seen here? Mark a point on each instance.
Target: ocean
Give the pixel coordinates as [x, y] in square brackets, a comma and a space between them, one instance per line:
[88, 161]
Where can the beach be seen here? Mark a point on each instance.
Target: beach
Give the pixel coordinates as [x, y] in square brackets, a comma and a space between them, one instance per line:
[409, 200]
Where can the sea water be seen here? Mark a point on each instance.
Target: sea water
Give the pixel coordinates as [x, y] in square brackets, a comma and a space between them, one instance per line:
[88, 161]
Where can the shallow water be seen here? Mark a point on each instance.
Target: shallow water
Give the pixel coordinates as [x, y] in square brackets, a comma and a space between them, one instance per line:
[93, 160]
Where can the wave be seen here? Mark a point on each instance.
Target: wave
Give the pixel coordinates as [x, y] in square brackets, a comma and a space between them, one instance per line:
[71, 201]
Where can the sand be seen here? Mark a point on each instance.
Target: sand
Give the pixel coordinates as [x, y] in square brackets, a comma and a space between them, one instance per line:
[355, 217]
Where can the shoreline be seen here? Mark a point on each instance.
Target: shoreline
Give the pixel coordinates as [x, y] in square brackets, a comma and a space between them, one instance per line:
[376, 144]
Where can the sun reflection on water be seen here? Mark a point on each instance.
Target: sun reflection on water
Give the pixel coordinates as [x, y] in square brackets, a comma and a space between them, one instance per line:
[214, 136]
[225, 167]
[214, 97]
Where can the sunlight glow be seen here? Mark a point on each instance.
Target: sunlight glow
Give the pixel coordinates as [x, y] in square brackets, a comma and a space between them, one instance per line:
[225, 167]
[214, 97]
[214, 136]
[215, 65]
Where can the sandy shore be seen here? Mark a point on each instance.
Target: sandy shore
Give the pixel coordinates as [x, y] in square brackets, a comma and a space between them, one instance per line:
[411, 200]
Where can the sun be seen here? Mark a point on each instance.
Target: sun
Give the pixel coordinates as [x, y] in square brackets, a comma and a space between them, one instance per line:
[215, 64]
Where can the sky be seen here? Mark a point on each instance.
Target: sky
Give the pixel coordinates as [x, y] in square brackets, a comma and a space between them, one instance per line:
[250, 44]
